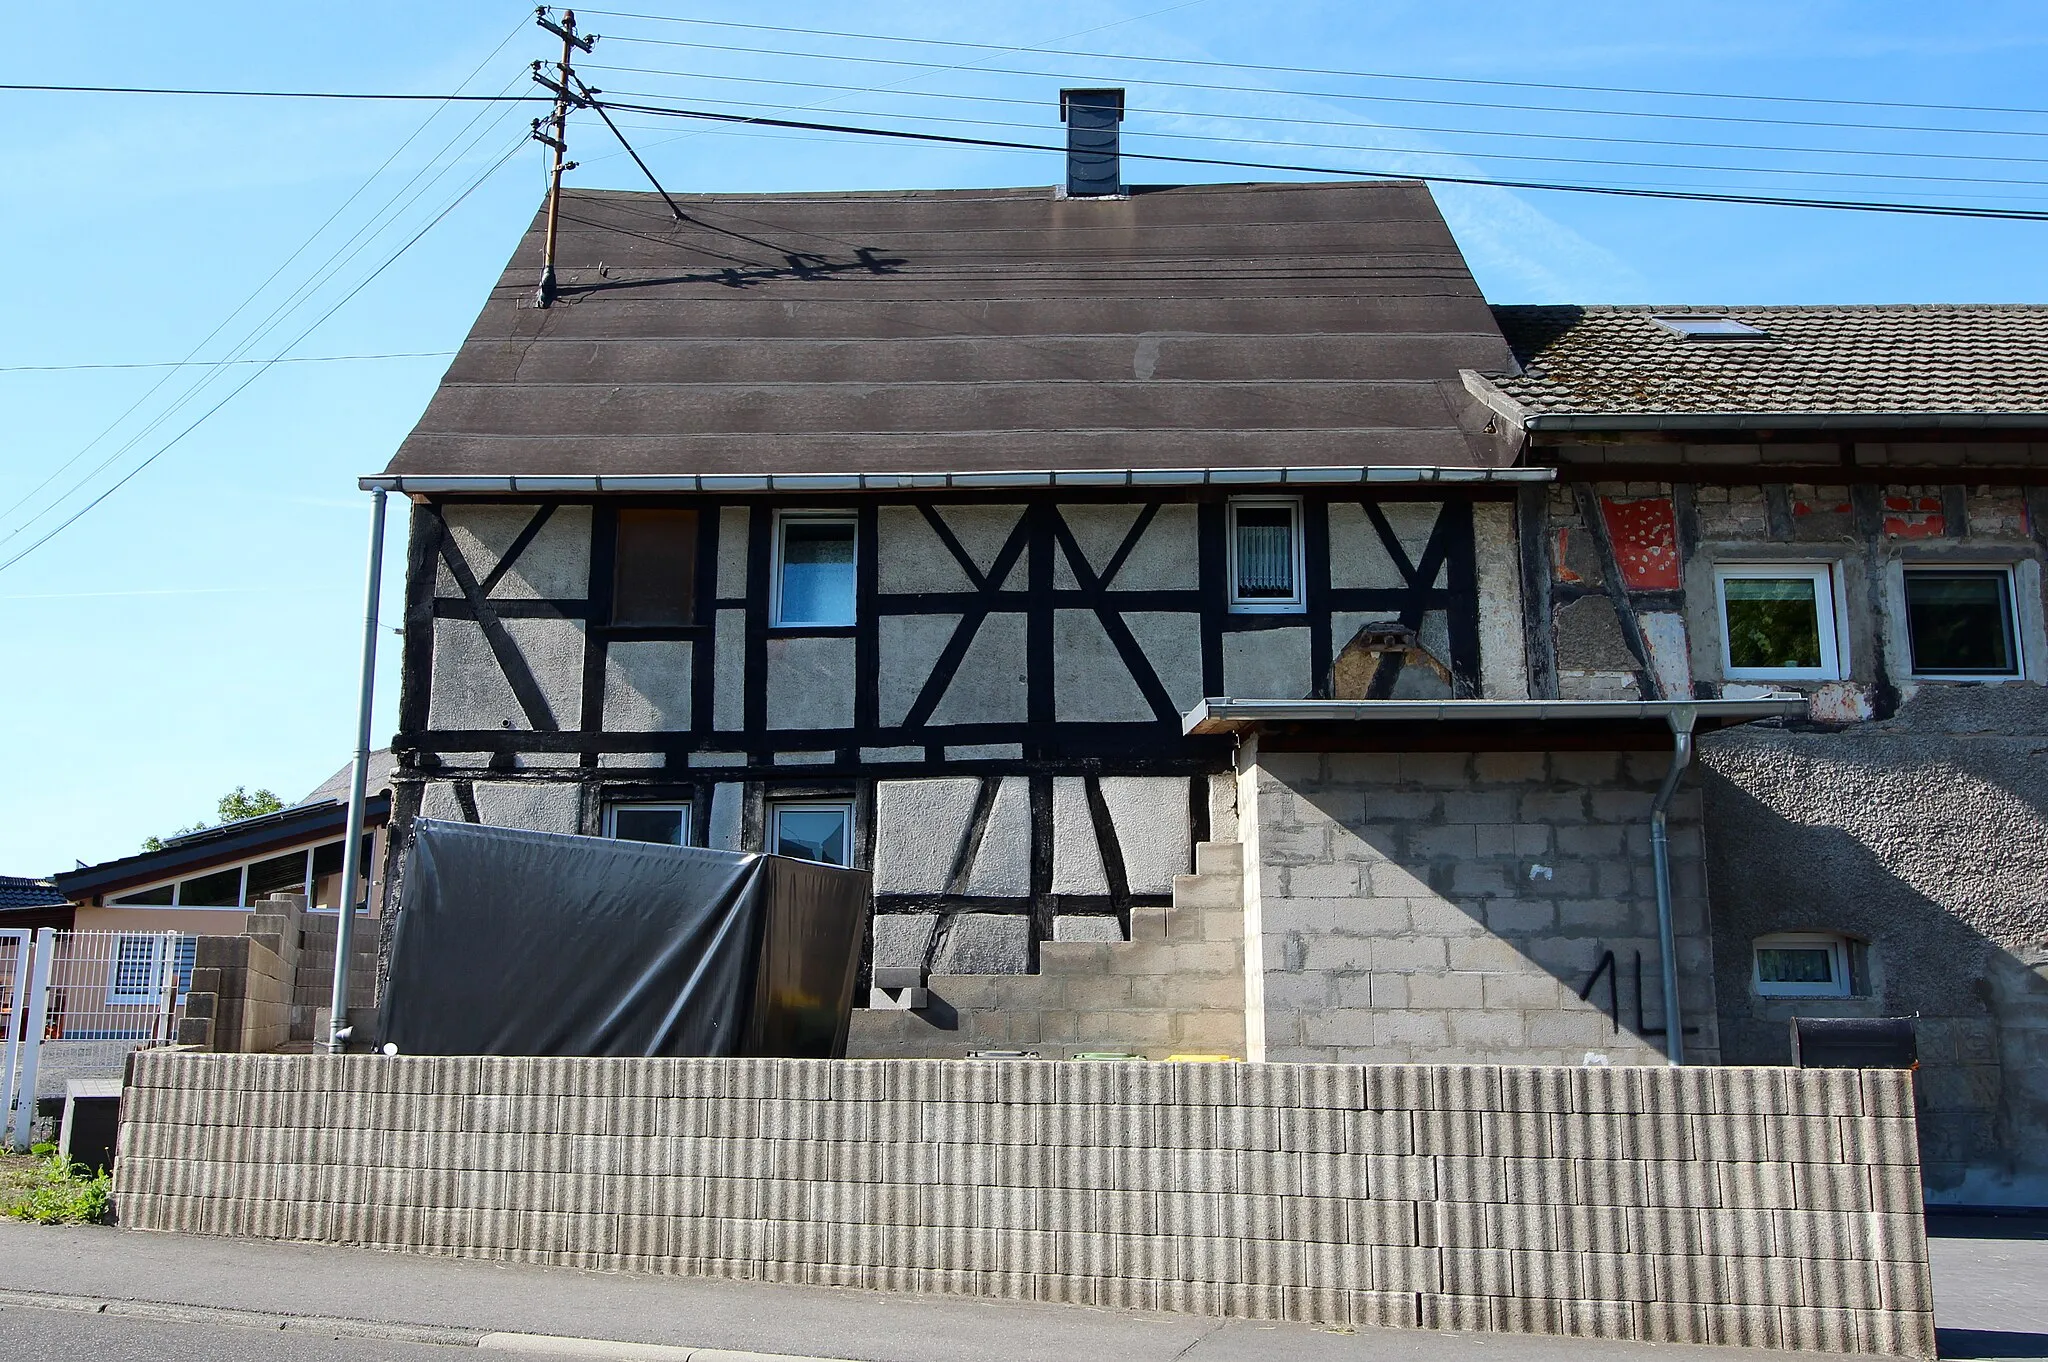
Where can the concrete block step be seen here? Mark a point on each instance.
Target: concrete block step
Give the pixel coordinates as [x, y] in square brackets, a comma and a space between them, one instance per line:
[1219, 858]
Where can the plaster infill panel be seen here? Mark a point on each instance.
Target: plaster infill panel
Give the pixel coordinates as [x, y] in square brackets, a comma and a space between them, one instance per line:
[554, 565]
[990, 686]
[1359, 557]
[982, 531]
[1166, 557]
[1002, 864]
[909, 556]
[1076, 855]
[1098, 531]
[1150, 815]
[729, 672]
[1172, 643]
[537, 806]
[910, 644]
[920, 827]
[1267, 664]
[647, 686]
[1091, 683]
[734, 528]
[810, 682]
[470, 688]
[1503, 656]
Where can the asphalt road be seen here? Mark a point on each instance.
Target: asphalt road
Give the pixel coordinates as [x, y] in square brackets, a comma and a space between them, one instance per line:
[32, 1335]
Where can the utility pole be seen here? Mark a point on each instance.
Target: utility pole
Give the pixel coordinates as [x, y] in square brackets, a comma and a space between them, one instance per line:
[557, 139]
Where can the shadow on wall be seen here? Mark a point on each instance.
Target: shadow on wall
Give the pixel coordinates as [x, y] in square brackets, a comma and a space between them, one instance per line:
[1929, 847]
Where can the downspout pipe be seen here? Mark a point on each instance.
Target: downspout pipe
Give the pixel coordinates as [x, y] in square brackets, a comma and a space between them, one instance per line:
[358, 781]
[1682, 720]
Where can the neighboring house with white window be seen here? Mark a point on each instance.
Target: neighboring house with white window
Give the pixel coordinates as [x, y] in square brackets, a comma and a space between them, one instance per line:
[1849, 504]
[206, 883]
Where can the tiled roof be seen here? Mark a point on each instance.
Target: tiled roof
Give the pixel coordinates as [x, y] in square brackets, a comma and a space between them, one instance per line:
[19, 891]
[1877, 361]
[1206, 326]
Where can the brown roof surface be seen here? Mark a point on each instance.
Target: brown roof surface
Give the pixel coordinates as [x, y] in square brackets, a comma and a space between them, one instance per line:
[1210, 326]
[1877, 361]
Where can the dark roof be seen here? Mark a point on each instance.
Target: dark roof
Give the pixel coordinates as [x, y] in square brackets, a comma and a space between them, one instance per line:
[230, 842]
[20, 891]
[1961, 361]
[1213, 326]
[376, 782]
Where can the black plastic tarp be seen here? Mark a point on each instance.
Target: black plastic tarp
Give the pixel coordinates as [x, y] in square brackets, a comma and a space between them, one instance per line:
[532, 943]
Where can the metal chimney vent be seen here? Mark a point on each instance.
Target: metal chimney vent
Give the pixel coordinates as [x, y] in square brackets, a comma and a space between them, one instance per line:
[1092, 117]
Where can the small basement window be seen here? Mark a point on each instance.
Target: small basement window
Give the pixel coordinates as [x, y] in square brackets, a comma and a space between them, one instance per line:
[814, 576]
[654, 567]
[665, 823]
[1802, 965]
[1691, 327]
[1960, 625]
[1778, 623]
[1265, 555]
[813, 831]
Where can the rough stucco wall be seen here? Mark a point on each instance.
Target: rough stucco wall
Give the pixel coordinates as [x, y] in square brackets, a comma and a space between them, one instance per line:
[1926, 836]
[1447, 907]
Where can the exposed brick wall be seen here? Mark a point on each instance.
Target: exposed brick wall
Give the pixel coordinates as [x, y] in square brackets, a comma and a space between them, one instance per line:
[1737, 1206]
[1447, 907]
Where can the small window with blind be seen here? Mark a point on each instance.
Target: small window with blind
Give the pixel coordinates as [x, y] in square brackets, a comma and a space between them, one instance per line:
[654, 571]
[1265, 555]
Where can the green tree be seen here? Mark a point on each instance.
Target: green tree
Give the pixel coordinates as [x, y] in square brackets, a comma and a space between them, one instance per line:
[234, 806]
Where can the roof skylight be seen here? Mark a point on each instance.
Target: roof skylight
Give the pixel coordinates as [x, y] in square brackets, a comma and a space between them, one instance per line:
[1692, 326]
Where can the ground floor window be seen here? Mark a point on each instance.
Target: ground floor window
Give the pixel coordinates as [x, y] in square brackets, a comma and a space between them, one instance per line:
[665, 823]
[1803, 965]
[1959, 623]
[812, 830]
[136, 979]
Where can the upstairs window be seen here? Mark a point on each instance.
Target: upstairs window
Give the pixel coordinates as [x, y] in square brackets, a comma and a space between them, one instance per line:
[1803, 965]
[1265, 555]
[668, 824]
[654, 567]
[1959, 623]
[814, 579]
[1778, 623]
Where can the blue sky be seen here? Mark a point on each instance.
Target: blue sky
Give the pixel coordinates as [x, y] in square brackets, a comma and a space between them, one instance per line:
[198, 629]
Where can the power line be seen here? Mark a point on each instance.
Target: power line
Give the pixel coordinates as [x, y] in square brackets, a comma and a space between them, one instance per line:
[1352, 95]
[246, 301]
[1325, 71]
[1377, 126]
[1695, 196]
[217, 363]
[1428, 151]
[343, 301]
[273, 94]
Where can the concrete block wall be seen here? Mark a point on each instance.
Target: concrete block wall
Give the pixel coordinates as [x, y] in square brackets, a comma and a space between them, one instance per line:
[1761, 1207]
[239, 1001]
[313, 983]
[1449, 907]
[1175, 987]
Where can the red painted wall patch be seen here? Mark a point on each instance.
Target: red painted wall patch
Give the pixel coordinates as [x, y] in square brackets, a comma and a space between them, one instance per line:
[1645, 542]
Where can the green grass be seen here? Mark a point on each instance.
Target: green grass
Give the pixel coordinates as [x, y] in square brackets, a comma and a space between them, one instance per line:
[50, 1189]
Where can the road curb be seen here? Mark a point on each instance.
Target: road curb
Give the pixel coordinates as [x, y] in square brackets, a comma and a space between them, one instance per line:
[248, 1319]
[611, 1350]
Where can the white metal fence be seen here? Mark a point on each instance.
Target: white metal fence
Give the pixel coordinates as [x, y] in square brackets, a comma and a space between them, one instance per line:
[76, 1003]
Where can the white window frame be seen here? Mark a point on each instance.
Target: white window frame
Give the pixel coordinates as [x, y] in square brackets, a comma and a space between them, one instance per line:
[777, 808]
[683, 807]
[2012, 606]
[1267, 605]
[784, 518]
[1837, 947]
[242, 890]
[186, 945]
[1828, 606]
